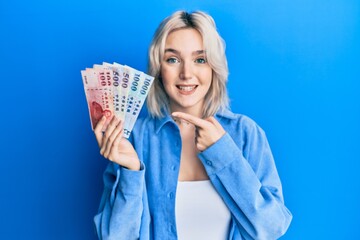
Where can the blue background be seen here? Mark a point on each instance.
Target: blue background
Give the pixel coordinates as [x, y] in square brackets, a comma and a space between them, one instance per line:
[294, 69]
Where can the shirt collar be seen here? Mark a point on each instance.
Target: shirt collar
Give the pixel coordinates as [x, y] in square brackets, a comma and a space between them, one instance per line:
[225, 113]
[160, 122]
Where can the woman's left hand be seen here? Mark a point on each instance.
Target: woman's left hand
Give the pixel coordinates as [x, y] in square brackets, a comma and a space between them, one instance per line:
[208, 131]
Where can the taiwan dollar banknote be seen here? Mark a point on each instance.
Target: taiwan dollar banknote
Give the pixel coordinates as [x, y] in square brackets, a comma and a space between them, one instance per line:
[115, 90]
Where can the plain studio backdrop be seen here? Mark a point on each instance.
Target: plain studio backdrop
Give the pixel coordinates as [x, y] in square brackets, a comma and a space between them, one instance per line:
[294, 68]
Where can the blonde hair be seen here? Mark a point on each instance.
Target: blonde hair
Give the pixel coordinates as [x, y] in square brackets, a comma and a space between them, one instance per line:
[214, 46]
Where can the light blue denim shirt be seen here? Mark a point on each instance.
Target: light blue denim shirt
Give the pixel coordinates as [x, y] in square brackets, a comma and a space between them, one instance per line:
[141, 204]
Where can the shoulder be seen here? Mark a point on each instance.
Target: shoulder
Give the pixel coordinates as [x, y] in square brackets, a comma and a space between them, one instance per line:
[238, 123]
[144, 124]
[244, 131]
[248, 136]
[145, 119]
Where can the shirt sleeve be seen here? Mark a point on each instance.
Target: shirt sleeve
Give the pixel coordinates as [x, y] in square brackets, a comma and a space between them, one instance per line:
[244, 174]
[123, 211]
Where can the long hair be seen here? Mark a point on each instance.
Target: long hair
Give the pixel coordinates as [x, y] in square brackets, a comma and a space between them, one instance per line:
[214, 46]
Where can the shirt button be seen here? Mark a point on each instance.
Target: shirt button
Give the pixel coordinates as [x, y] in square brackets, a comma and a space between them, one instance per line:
[173, 167]
[209, 163]
[171, 195]
[177, 143]
[172, 228]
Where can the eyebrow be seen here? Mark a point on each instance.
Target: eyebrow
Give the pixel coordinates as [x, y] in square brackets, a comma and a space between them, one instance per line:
[197, 52]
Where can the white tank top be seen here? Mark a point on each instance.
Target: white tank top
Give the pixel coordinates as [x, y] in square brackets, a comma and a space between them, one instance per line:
[200, 212]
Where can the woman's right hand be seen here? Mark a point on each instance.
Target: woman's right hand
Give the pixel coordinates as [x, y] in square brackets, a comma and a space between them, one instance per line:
[114, 146]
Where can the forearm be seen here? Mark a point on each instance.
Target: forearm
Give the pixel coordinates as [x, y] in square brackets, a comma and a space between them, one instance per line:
[122, 205]
[253, 194]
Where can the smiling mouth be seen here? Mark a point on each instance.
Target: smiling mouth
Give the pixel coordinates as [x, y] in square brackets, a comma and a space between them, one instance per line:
[186, 88]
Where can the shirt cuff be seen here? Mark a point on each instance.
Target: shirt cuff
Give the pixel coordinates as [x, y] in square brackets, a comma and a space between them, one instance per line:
[131, 182]
[220, 154]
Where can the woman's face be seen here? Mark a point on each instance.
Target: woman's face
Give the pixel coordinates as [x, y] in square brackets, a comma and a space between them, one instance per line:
[185, 73]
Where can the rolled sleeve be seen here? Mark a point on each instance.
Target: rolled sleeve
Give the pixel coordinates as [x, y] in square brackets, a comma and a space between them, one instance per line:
[130, 181]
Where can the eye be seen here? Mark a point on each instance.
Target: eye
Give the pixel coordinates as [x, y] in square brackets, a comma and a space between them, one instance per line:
[200, 60]
[172, 60]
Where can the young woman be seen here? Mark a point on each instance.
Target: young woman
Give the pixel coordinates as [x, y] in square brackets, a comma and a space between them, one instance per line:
[192, 169]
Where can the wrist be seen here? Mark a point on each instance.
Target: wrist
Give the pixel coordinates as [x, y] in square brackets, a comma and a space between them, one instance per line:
[133, 164]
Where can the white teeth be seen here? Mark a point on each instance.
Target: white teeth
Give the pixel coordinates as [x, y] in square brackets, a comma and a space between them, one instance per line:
[186, 88]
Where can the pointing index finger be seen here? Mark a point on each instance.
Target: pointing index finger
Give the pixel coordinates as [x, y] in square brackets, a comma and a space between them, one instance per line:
[191, 119]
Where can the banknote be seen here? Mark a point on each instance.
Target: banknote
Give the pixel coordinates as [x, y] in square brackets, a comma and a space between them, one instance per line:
[115, 89]
[131, 98]
[117, 76]
[98, 93]
[140, 86]
[123, 89]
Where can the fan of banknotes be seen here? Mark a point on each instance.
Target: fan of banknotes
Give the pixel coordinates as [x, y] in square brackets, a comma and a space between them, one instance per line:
[115, 90]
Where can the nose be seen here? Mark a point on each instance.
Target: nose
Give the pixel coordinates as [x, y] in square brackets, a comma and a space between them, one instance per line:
[186, 71]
